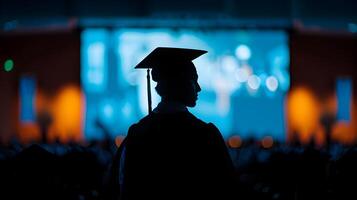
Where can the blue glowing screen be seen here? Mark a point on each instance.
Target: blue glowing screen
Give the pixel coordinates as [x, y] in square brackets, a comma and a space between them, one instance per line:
[94, 60]
[27, 99]
[244, 78]
[344, 99]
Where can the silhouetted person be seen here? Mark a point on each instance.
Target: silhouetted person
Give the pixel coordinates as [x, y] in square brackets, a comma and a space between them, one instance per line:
[44, 120]
[171, 154]
[327, 120]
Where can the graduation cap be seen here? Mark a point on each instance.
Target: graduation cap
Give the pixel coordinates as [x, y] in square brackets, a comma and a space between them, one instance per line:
[168, 63]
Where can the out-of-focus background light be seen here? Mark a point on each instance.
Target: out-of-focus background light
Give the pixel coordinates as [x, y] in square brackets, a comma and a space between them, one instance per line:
[243, 73]
[118, 140]
[254, 82]
[243, 52]
[272, 83]
[8, 65]
[352, 27]
[303, 112]
[235, 141]
[267, 142]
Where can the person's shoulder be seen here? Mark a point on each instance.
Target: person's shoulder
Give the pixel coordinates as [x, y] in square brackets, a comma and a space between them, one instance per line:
[138, 125]
[196, 120]
[208, 132]
[207, 125]
[141, 126]
[212, 127]
[146, 122]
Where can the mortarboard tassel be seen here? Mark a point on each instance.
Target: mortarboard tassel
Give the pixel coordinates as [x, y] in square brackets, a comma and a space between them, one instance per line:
[149, 90]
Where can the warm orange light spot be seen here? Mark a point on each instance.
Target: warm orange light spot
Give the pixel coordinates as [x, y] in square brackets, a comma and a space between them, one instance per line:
[235, 142]
[67, 115]
[303, 113]
[345, 132]
[42, 102]
[118, 140]
[29, 132]
[342, 132]
[267, 142]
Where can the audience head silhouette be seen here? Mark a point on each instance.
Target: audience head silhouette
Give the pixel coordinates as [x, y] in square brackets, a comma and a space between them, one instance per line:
[175, 74]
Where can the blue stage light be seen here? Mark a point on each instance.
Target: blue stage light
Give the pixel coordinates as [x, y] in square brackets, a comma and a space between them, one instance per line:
[27, 99]
[94, 60]
[254, 82]
[344, 99]
[243, 52]
[272, 83]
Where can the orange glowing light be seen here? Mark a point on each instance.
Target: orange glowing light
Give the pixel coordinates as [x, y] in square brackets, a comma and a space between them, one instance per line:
[342, 133]
[345, 132]
[235, 142]
[67, 115]
[29, 132]
[267, 142]
[118, 140]
[303, 113]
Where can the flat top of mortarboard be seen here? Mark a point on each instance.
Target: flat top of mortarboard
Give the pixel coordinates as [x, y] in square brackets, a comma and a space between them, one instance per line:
[164, 55]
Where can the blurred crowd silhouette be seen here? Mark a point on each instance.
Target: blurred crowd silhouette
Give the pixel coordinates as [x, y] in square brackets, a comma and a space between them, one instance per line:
[83, 172]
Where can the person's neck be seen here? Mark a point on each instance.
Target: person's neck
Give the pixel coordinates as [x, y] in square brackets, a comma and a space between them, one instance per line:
[170, 106]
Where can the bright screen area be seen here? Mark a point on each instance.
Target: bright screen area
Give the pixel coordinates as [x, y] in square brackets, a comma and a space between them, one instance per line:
[244, 78]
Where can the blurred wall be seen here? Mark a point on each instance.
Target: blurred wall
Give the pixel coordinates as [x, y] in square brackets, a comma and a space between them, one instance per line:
[318, 59]
[52, 57]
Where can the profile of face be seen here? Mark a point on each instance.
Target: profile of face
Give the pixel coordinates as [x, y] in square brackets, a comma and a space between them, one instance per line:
[188, 93]
[184, 89]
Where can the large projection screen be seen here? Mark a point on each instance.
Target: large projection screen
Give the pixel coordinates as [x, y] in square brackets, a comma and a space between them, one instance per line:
[244, 78]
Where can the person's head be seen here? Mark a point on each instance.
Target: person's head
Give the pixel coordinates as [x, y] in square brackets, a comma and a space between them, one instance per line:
[175, 74]
[177, 85]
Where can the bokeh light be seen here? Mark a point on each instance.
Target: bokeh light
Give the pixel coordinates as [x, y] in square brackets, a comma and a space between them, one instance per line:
[235, 141]
[272, 83]
[108, 111]
[67, 110]
[352, 27]
[303, 113]
[254, 82]
[243, 52]
[8, 65]
[118, 140]
[267, 142]
[242, 74]
[27, 92]
[94, 60]
[229, 64]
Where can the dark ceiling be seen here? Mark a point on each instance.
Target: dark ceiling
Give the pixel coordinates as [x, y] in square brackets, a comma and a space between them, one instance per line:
[326, 14]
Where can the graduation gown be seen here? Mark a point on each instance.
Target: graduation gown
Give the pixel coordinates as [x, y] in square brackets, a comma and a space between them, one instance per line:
[174, 156]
